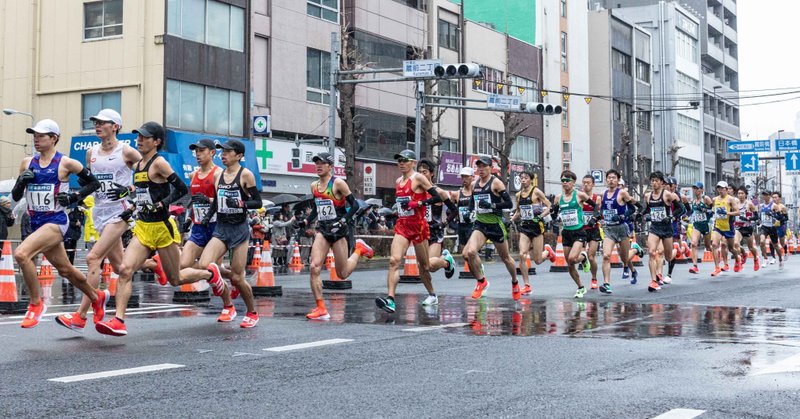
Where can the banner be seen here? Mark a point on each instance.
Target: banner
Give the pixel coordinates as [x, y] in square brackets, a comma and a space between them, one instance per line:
[275, 157]
[449, 168]
[369, 178]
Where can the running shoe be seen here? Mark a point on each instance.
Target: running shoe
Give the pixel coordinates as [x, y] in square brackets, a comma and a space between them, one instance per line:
[430, 300]
[480, 287]
[451, 264]
[638, 249]
[744, 257]
[250, 320]
[551, 254]
[234, 292]
[580, 292]
[33, 315]
[694, 269]
[161, 277]
[385, 304]
[584, 266]
[516, 293]
[594, 283]
[72, 321]
[605, 288]
[227, 314]
[216, 282]
[660, 279]
[717, 271]
[634, 277]
[318, 313]
[737, 267]
[667, 279]
[626, 272]
[771, 261]
[780, 264]
[113, 327]
[99, 305]
[725, 267]
[364, 249]
[526, 290]
[756, 264]
[653, 287]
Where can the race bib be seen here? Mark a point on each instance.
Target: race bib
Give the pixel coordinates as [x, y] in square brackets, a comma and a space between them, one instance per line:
[200, 211]
[586, 218]
[41, 197]
[428, 214]
[699, 217]
[569, 217]
[106, 183]
[608, 215]
[464, 215]
[143, 197]
[526, 212]
[401, 200]
[325, 209]
[766, 219]
[658, 214]
[222, 203]
[479, 198]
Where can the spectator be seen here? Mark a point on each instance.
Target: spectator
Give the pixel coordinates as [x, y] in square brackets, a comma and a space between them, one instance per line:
[73, 233]
[90, 234]
[25, 224]
[286, 211]
[381, 225]
[257, 231]
[6, 217]
[280, 237]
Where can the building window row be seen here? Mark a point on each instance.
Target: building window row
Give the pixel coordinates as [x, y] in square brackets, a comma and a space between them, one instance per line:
[526, 149]
[687, 86]
[688, 130]
[318, 76]
[686, 46]
[642, 71]
[196, 107]
[102, 19]
[208, 22]
[491, 77]
[688, 171]
[564, 51]
[448, 35]
[483, 139]
[620, 61]
[323, 9]
[92, 103]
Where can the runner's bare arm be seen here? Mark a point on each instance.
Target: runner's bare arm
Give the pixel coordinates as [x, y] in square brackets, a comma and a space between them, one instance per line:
[517, 215]
[86, 179]
[130, 154]
[344, 191]
[546, 202]
[89, 159]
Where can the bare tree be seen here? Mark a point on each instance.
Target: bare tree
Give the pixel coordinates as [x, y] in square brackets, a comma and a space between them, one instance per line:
[350, 59]
[513, 125]
[673, 152]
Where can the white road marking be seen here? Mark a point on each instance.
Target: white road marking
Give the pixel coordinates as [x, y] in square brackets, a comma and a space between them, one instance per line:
[791, 364]
[307, 345]
[441, 326]
[204, 351]
[154, 311]
[235, 354]
[680, 414]
[110, 310]
[115, 373]
[17, 322]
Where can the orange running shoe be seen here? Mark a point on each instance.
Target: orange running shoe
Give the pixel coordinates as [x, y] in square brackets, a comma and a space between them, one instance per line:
[694, 269]
[234, 292]
[318, 313]
[364, 249]
[250, 320]
[161, 276]
[72, 321]
[725, 267]
[737, 266]
[480, 287]
[33, 315]
[227, 314]
[526, 290]
[717, 271]
[515, 291]
[113, 327]
[594, 283]
[550, 253]
[653, 287]
[756, 264]
[216, 282]
[99, 305]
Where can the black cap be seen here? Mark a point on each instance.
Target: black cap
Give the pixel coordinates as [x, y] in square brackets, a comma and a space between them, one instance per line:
[485, 160]
[151, 130]
[323, 156]
[405, 154]
[203, 143]
[234, 145]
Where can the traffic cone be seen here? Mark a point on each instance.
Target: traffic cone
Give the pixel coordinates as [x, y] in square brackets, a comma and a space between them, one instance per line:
[335, 282]
[196, 292]
[708, 256]
[329, 259]
[531, 269]
[680, 259]
[255, 264]
[466, 274]
[9, 303]
[265, 282]
[46, 279]
[790, 244]
[296, 264]
[410, 269]
[110, 278]
[560, 264]
[616, 262]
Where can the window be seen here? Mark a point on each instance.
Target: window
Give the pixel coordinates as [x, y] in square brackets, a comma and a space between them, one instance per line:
[447, 88]
[526, 149]
[643, 120]
[622, 111]
[318, 76]
[449, 144]
[564, 112]
[448, 35]
[207, 21]
[563, 51]
[380, 134]
[324, 9]
[489, 82]
[380, 52]
[688, 130]
[563, 8]
[688, 171]
[483, 139]
[686, 46]
[621, 61]
[687, 86]
[196, 107]
[416, 4]
[102, 19]
[530, 89]
[92, 103]
[642, 71]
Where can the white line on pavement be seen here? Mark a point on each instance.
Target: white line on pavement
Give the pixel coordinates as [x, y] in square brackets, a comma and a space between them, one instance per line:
[307, 345]
[110, 310]
[17, 322]
[169, 310]
[680, 414]
[430, 328]
[115, 373]
[791, 364]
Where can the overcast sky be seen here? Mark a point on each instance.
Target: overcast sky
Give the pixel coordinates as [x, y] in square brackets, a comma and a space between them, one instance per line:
[768, 58]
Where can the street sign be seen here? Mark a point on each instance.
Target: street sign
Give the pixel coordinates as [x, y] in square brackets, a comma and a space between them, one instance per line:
[420, 68]
[597, 175]
[791, 144]
[749, 164]
[748, 146]
[793, 162]
[261, 125]
[503, 102]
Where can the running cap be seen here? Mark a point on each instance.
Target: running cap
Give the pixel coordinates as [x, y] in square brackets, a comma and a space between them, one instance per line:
[45, 126]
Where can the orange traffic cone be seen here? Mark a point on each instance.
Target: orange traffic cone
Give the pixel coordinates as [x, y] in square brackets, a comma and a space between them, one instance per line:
[46, 279]
[529, 265]
[265, 282]
[105, 277]
[560, 264]
[616, 262]
[296, 264]
[708, 256]
[466, 274]
[410, 269]
[255, 264]
[790, 244]
[9, 303]
[335, 282]
[680, 259]
[329, 259]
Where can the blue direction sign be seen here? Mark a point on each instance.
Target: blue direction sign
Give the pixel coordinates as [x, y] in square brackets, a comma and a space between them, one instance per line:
[792, 144]
[749, 163]
[748, 146]
[793, 162]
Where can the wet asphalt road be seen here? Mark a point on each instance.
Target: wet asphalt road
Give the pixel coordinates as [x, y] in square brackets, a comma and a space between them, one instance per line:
[728, 347]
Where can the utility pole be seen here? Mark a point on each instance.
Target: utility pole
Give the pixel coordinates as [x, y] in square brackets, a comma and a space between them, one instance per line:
[418, 93]
[717, 145]
[333, 96]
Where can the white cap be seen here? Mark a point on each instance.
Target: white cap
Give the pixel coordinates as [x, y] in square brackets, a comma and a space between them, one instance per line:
[108, 115]
[467, 171]
[45, 126]
[621, 182]
[722, 184]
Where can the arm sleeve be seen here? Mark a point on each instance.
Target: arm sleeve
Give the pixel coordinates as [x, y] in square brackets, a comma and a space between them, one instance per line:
[353, 208]
[679, 211]
[506, 201]
[178, 191]
[18, 190]
[90, 183]
[434, 199]
[255, 199]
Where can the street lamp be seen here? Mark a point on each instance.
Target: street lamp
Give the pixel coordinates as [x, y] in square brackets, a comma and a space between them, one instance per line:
[780, 170]
[717, 148]
[9, 111]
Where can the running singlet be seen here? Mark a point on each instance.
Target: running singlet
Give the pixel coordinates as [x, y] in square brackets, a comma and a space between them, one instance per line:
[571, 213]
[433, 213]
[767, 220]
[109, 169]
[743, 220]
[465, 213]
[699, 212]
[485, 193]
[611, 208]
[203, 186]
[149, 192]
[406, 194]
[722, 222]
[41, 193]
[528, 211]
[226, 214]
[660, 212]
[587, 214]
[329, 208]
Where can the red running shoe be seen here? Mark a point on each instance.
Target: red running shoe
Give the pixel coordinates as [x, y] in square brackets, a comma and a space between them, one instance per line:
[113, 327]
[161, 277]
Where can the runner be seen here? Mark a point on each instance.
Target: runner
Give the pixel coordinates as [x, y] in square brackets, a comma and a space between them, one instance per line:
[532, 207]
[594, 234]
[725, 207]
[438, 258]
[743, 224]
[335, 207]
[463, 196]
[768, 230]
[154, 229]
[658, 202]
[236, 193]
[702, 205]
[617, 206]
[411, 228]
[44, 181]
[628, 269]
[110, 162]
[490, 198]
[571, 216]
[781, 216]
[672, 186]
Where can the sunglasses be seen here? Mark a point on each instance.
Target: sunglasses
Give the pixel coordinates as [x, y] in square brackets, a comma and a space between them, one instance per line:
[403, 160]
[99, 123]
[564, 180]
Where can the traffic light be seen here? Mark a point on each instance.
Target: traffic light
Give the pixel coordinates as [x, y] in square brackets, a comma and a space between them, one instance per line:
[542, 108]
[459, 70]
[296, 164]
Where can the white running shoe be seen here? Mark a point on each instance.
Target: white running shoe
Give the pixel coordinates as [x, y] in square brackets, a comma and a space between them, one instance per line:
[667, 279]
[771, 261]
[430, 300]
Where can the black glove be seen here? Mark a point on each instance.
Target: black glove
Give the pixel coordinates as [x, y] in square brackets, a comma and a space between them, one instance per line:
[592, 221]
[67, 199]
[117, 192]
[647, 218]
[615, 218]
[26, 177]
[126, 215]
[187, 225]
[484, 204]
[200, 199]
[206, 220]
[149, 207]
[338, 225]
[234, 203]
